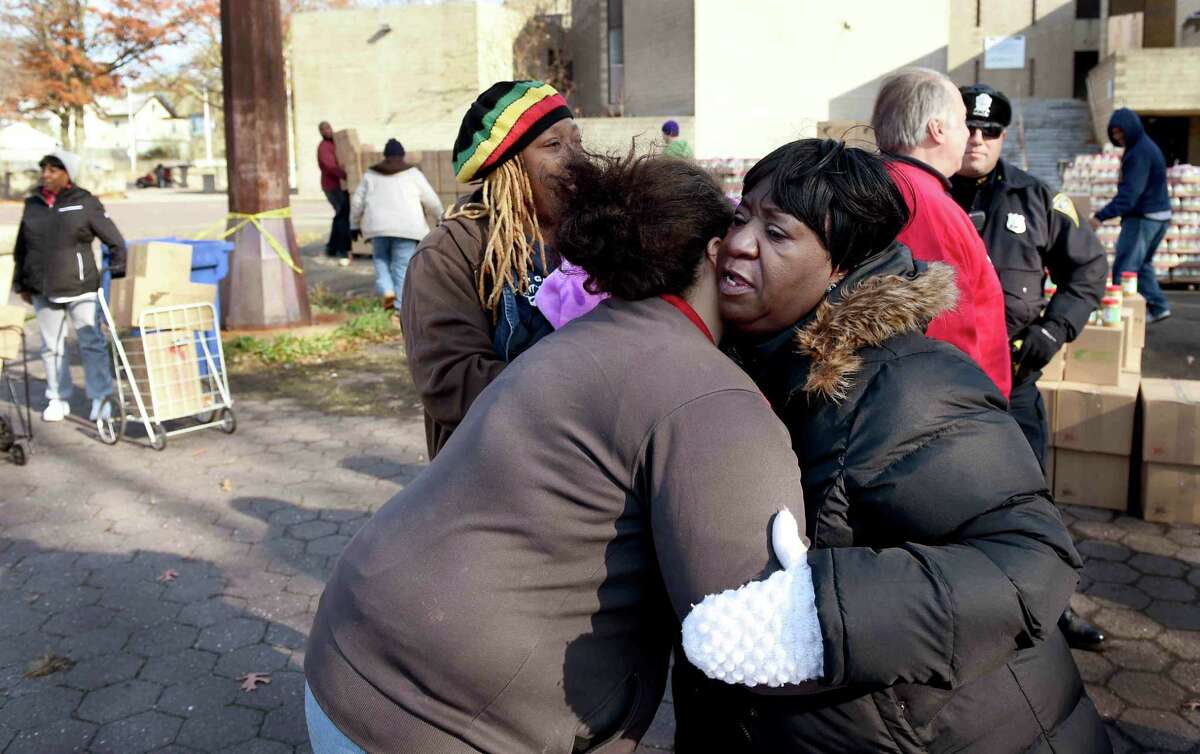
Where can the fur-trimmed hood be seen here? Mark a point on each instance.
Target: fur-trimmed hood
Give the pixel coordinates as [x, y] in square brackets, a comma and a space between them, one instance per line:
[886, 297]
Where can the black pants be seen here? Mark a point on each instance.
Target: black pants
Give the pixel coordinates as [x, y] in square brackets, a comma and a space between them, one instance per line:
[1025, 405]
[339, 231]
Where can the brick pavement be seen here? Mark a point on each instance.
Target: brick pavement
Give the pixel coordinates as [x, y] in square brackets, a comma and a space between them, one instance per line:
[251, 524]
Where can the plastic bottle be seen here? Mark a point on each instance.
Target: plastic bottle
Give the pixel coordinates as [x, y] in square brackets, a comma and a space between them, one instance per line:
[1129, 282]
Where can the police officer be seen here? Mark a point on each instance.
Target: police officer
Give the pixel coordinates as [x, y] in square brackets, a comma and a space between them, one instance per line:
[1029, 230]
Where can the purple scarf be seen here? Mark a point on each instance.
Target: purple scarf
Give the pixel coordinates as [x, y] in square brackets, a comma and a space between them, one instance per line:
[562, 296]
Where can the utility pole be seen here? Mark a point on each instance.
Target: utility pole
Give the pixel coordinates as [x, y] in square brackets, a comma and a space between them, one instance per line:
[262, 289]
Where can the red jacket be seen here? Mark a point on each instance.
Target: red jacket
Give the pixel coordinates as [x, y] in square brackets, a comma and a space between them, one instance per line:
[940, 231]
[332, 174]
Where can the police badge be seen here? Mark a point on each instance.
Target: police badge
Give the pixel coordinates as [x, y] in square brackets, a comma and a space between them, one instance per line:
[1016, 222]
[983, 106]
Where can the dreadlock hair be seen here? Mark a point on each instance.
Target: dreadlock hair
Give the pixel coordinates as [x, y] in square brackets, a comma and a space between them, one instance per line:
[513, 234]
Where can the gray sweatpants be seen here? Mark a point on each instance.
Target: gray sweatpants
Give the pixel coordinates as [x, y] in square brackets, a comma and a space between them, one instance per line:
[52, 322]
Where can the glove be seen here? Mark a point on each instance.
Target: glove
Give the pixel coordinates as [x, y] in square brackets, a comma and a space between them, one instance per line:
[355, 235]
[765, 632]
[1036, 347]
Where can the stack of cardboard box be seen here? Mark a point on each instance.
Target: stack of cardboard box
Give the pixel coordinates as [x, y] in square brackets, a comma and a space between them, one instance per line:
[1170, 469]
[164, 362]
[156, 274]
[438, 167]
[347, 149]
[1090, 390]
[10, 316]
[12, 319]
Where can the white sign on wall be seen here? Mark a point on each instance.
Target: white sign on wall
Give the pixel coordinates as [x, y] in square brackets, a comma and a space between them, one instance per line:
[1001, 53]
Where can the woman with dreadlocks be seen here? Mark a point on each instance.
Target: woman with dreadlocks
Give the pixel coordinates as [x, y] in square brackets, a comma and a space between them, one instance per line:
[468, 297]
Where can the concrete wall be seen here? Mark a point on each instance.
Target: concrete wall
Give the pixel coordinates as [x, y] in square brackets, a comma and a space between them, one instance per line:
[1186, 37]
[1156, 82]
[586, 46]
[413, 83]
[767, 71]
[1050, 44]
[660, 69]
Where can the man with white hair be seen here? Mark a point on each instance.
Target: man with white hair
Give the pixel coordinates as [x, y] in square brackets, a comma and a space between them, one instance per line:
[920, 123]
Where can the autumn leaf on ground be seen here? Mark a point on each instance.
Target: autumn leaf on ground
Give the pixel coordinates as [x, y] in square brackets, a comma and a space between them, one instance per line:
[251, 681]
[47, 664]
[226, 485]
[168, 576]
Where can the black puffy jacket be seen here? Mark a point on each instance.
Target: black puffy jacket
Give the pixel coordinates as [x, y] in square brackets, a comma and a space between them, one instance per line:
[940, 564]
[54, 255]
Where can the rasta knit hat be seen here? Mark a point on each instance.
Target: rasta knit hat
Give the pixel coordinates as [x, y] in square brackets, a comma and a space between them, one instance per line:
[502, 122]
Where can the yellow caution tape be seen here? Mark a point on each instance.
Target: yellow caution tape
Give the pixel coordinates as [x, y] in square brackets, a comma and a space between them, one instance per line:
[245, 219]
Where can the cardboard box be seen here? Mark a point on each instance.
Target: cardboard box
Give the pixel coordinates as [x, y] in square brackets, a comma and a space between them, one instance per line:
[164, 264]
[1171, 493]
[131, 296]
[7, 267]
[1098, 480]
[346, 147]
[1133, 310]
[1049, 391]
[1095, 357]
[1095, 418]
[1050, 469]
[167, 372]
[10, 339]
[1131, 363]
[1171, 421]
[1054, 370]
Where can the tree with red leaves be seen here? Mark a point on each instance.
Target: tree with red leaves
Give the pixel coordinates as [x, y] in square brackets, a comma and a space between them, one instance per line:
[66, 53]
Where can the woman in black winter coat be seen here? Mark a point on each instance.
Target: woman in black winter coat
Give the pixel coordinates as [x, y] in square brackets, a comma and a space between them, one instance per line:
[939, 563]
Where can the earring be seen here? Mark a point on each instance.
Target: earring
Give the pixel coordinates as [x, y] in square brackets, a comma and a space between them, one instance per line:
[832, 286]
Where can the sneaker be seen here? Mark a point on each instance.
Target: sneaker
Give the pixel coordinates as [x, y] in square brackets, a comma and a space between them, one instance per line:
[56, 411]
[344, 262]
[100, 410]
[1158, 317]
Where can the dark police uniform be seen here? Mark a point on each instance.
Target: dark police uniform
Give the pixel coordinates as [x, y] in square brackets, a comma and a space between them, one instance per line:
[1028, 229]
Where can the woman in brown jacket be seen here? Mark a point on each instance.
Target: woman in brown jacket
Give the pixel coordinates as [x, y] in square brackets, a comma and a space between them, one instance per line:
[522, 594]
[467, 308]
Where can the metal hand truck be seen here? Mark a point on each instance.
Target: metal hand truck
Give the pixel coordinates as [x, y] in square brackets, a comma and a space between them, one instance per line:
[172, 368]
[16, 429]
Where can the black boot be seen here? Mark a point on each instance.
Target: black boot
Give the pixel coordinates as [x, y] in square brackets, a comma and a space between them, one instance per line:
[1080, 634]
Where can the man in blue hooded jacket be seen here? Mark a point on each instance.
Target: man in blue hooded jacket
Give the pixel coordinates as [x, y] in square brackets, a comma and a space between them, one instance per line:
[1142, 204]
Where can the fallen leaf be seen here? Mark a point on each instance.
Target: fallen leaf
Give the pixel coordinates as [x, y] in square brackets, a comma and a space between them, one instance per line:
[168, 576]
[47, 664]
[226, 485]
[251, 681]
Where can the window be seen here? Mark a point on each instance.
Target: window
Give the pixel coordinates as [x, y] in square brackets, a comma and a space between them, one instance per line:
[1085, 61]
[1087, 8]
[616, 51]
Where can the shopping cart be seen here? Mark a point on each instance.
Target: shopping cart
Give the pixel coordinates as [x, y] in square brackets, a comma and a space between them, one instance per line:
[16, 429]
[171, 367]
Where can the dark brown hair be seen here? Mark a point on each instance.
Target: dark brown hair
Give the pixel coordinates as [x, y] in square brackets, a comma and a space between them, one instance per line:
[639, 226]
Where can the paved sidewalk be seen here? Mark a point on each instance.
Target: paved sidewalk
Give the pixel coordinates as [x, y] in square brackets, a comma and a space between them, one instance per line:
[166, 577]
